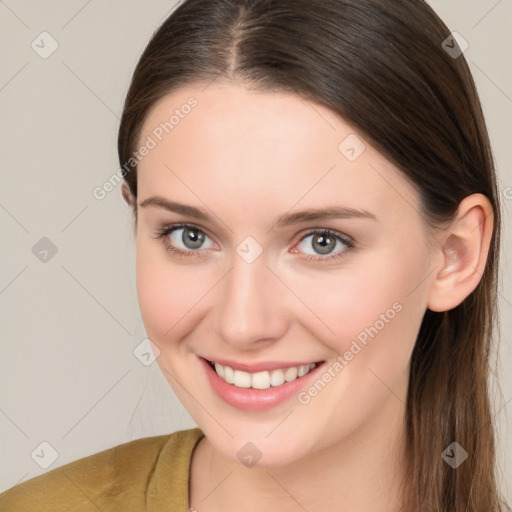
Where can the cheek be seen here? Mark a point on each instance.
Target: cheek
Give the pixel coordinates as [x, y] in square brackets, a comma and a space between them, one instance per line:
[351, 304]
[379, 317]
[167, 293]
[375, 308]
[376, 329]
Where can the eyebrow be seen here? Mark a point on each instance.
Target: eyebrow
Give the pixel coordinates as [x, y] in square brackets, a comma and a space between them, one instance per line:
[288, 219]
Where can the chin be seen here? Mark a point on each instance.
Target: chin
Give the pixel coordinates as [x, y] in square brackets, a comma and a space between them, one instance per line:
[259, 450]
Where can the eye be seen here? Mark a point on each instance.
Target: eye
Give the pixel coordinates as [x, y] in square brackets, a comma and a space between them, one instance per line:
[323, 242]
[184, 240]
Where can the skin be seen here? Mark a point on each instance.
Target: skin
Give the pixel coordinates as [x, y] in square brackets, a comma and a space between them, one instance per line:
[249, 157]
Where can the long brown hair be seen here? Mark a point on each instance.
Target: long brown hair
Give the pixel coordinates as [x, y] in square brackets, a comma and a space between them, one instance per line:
[381, 65]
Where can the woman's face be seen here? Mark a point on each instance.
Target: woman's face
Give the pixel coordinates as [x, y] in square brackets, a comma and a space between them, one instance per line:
[261, 286]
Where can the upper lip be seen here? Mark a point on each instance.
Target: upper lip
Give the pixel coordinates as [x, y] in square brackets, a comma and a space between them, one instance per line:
[258, 367]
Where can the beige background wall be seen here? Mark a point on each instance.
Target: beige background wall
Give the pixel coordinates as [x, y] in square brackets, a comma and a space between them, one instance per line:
[70, 322]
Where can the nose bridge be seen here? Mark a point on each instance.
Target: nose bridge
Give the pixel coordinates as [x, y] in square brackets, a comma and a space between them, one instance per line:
[248, 308]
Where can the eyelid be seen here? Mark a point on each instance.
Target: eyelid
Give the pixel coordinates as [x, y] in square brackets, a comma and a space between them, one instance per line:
[327, 231]
[170, 228]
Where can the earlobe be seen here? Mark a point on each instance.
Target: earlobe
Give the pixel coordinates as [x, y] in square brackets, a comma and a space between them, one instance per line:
[463, 254]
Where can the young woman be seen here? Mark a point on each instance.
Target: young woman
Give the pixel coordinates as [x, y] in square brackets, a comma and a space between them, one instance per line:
[317, 228]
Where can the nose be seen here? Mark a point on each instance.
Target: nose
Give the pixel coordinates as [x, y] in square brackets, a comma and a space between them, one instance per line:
[251, 308]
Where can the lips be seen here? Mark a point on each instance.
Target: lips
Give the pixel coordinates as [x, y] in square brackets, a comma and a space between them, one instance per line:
[251, 399]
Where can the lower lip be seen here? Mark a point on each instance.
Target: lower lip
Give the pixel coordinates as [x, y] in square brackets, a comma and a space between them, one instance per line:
[251, 399]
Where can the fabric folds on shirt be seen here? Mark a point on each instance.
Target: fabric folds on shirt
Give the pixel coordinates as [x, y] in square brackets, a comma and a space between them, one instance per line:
[149, 474]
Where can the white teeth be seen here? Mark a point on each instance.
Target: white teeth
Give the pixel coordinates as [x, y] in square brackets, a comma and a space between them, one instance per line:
[219, 369]
[242, 379]
[229, 375]
[261, 380]
[303, 369]
[276, 377]
[290, 374]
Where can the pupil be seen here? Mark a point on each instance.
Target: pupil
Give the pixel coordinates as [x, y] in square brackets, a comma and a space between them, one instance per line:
[325, 244]
[192, 238]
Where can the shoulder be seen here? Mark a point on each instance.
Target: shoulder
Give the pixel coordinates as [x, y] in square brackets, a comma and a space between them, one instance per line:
[125, 477]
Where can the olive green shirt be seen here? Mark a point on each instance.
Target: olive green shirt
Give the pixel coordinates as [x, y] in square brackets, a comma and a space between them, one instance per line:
[150, 474]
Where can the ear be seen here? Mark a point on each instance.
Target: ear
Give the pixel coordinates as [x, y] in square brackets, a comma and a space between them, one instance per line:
[462, 253]
[131, 201]
[127, 194]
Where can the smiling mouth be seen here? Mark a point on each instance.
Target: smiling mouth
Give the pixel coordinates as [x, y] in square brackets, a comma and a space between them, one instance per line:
[263, 379]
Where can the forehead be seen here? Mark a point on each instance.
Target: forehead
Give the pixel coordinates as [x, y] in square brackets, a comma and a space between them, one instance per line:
[252, 146]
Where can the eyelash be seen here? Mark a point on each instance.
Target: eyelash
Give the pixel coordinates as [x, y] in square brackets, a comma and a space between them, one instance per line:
[180, 253]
